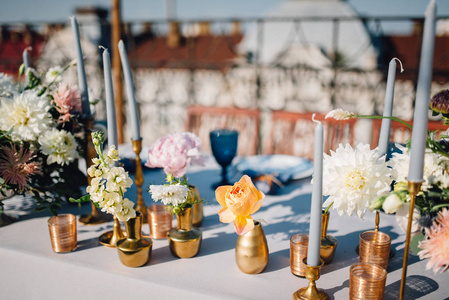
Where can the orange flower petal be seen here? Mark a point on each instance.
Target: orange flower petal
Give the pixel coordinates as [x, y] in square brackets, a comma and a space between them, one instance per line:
[257, 206]
[246, 179]
[226, 215]
[243, 224]
[220, 194]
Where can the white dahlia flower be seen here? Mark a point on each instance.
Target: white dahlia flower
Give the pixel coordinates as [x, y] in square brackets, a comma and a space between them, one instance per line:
[59, 145]
[353, 177]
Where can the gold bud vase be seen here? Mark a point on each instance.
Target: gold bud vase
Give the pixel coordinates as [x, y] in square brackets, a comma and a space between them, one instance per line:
[134, 250]
[328, 242]
[251, 251]
[197, 206]
[185, 241]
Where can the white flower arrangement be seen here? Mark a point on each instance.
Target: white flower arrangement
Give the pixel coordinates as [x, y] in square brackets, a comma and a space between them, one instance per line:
[353, 177]
[59, 145]
[174, 194]
[109, 183]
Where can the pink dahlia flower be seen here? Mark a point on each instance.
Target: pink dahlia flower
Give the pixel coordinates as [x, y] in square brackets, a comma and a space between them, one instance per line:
[175, 153]
[435, 247]
[67, 100]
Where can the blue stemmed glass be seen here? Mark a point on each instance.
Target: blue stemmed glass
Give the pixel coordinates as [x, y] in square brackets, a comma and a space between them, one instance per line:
[224, 148]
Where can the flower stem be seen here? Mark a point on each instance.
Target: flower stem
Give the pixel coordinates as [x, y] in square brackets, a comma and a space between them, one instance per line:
[384, 117]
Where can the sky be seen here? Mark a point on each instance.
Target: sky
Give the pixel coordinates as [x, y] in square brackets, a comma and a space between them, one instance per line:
[18, 11]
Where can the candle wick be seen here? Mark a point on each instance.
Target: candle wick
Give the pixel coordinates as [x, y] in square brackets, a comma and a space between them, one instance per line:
[400, 62]
[314, 120]
[101, 47]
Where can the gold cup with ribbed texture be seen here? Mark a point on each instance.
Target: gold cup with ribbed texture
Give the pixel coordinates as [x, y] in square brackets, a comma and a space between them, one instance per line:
[63, 233]
[160, 221]
[298, 251]
[366, 281]
[375, 248]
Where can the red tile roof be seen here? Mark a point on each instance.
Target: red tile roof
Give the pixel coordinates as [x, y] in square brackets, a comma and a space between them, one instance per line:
[200, 52]
[408, 50]
[12, 45]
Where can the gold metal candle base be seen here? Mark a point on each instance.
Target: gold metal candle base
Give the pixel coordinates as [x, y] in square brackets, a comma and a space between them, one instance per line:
[138, 180]
[95, 217]
[311, 291]
[413, 188]
[110, 238]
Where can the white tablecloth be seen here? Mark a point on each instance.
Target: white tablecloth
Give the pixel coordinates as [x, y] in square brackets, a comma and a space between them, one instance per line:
[29, 269]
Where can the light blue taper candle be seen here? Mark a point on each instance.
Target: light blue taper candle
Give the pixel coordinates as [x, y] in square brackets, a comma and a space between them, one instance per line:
[26, 63]
[313, 251]
[110, 104]
[133, 112]
[419, 133]
[82, 82]
[384, 136]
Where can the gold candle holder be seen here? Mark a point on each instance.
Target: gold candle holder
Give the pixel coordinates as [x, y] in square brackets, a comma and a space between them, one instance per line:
[110, 238]
[95, 217]
[138, 180]
[160, 221]
[311, 291]
[413, 188]
[63, 234]
[375, 248]
[298, 251]
[366, 281]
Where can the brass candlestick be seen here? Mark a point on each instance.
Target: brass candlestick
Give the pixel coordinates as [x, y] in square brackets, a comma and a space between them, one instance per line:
[95, 217]
[110, 238]
[413, 188]
[138, 180]
[311, 291]
[376, 228]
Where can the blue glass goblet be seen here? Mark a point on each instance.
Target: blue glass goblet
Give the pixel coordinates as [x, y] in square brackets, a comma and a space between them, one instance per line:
[224, 148]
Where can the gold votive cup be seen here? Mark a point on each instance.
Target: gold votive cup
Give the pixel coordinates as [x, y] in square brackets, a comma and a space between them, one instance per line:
[160, 220]
[366, 281]
[375, 248]
[298, 250]
[63, 232]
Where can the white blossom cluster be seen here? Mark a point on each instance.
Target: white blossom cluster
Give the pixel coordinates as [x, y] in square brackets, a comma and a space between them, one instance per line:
[109, 184]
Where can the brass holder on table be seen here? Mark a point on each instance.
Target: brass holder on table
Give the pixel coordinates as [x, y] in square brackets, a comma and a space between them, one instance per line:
[413, 188]
[138, 180]
[328, 242]
[110, 238]
[95, 217]
[311, 291]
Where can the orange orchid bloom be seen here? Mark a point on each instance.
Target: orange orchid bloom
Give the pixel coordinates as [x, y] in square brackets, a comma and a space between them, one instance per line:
[239, 202]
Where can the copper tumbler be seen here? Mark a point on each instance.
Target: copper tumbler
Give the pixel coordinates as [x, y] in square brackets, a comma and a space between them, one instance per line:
[366, 281]
[298, 250]
[375, 248]
[63, 232]
[160, 220]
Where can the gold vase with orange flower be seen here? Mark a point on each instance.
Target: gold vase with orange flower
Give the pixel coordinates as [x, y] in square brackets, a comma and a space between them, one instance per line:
[239, 202]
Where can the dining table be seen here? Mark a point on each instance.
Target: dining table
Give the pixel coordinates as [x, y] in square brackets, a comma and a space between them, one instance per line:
[30, 269]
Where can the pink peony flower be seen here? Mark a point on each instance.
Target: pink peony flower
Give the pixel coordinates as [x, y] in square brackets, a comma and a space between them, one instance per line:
[175, 153]
[436, 243]
[16, 166]
[67, 100]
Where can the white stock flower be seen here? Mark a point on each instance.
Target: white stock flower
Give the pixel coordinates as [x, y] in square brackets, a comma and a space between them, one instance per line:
[7, 87]
[27, 113]
[174, 194]
[392, 203]
[126, 210]
[340, 114]
[59, 145]
[117, 178]
[353, 178]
